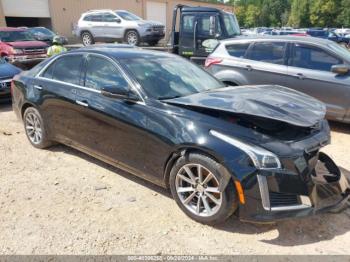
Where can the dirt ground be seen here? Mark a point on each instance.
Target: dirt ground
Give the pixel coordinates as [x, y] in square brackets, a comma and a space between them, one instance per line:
[61, 201]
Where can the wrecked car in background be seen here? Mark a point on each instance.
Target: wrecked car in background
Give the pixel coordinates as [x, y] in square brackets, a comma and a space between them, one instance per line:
[253, 150]
[314, 66]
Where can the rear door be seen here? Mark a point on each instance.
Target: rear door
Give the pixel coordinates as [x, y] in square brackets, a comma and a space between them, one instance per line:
[309, 71]
[266, 63]
[58, 91]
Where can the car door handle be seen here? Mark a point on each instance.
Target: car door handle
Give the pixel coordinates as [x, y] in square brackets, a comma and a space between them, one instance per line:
[300, 76]
[249, 67]
[82, 103]
[38, 87]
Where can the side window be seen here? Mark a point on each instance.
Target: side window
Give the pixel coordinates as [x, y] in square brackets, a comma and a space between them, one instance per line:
[188, 23]
[49, 71]
[101, 73]
[88, 18]
[107, 17]
[96, 18]
[269, 52]
[310, 57]
[237, 50]
[66, 69]
[204, 25]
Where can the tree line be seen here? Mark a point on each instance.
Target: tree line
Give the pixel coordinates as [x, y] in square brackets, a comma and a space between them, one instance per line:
[295, 13]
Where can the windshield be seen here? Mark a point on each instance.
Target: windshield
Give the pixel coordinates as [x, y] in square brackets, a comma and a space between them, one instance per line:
[165, 78]
[42, 31]
[231, 25]
[16, 36]
[128, 16]
[341, 51]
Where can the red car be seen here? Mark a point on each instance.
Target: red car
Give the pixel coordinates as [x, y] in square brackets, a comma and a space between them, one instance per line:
[20, 47]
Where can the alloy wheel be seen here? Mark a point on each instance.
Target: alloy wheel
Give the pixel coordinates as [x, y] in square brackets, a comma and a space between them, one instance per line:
[86, 39]
[198, 190]
[33, 128]
[132, 38]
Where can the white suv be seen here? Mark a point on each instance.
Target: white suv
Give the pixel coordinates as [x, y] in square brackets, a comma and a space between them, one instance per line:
[118, 25]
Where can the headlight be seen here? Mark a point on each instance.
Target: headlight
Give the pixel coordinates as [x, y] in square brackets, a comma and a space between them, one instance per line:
[261, 158]
[17, 51]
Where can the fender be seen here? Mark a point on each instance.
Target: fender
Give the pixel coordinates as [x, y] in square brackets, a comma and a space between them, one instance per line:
[230, 75]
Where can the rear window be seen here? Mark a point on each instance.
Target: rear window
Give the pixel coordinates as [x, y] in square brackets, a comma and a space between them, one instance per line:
[237, 50]
[268, 52]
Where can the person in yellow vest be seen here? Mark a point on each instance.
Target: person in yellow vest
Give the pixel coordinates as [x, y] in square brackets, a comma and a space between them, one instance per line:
[57, 47]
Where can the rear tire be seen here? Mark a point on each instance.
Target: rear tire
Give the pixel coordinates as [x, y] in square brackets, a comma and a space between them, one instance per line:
[194, 182]
[87, 39]
[132, 38]
[34, 128]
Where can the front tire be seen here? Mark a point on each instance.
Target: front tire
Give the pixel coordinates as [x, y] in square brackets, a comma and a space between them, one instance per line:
[87, 39]
[132, 38]
[194, 183]
[35, 129]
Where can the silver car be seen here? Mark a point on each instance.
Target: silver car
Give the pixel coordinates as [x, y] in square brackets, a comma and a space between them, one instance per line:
[317, 67]
[119, 25]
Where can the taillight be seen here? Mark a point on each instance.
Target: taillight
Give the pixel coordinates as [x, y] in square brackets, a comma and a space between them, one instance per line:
[212, 61]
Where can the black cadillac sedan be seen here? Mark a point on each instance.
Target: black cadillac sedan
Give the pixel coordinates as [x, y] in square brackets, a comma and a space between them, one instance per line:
[253, 150]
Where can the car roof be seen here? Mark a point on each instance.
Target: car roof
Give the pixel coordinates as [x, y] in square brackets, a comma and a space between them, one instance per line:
[123, 51]
[304, 39]
[9, 29]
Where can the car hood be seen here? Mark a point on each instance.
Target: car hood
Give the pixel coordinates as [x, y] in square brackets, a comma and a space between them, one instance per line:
[25, 44]
[272, 102]
[8, 71]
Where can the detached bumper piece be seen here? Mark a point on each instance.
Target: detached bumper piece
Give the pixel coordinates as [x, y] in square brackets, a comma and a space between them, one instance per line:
[278, 196]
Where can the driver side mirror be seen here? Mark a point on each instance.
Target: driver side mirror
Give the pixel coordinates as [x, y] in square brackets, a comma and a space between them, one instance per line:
[340, 69]
[118, 20]
[119, 93]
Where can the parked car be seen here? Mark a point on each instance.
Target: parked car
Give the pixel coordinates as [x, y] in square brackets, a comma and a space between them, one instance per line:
[118, 25]
[325, 34]
[20, 47]
[314, 66]
[45, 35]
[161, 117]
[7, 72]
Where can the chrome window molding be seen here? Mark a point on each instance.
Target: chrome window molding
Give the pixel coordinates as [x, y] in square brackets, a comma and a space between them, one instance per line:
[119, 68]
[265, 198]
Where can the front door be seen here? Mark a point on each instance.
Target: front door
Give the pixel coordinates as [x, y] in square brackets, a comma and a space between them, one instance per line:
[111, 127]
[113, 27]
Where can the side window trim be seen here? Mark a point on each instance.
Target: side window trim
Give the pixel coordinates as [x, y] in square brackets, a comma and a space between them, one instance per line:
[131, 85]
[293, 45]
[251, 47]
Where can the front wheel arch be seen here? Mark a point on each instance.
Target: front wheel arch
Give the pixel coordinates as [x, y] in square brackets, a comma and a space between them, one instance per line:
[185, 151]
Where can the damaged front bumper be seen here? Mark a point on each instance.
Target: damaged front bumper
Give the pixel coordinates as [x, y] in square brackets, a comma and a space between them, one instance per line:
[276, 195]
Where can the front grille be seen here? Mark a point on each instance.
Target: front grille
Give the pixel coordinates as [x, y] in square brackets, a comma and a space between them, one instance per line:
[158, 28]
[282, 199]
[29, 51]
[5, 83]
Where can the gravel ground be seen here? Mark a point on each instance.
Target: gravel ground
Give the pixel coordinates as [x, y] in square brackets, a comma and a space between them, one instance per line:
[61, 201]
